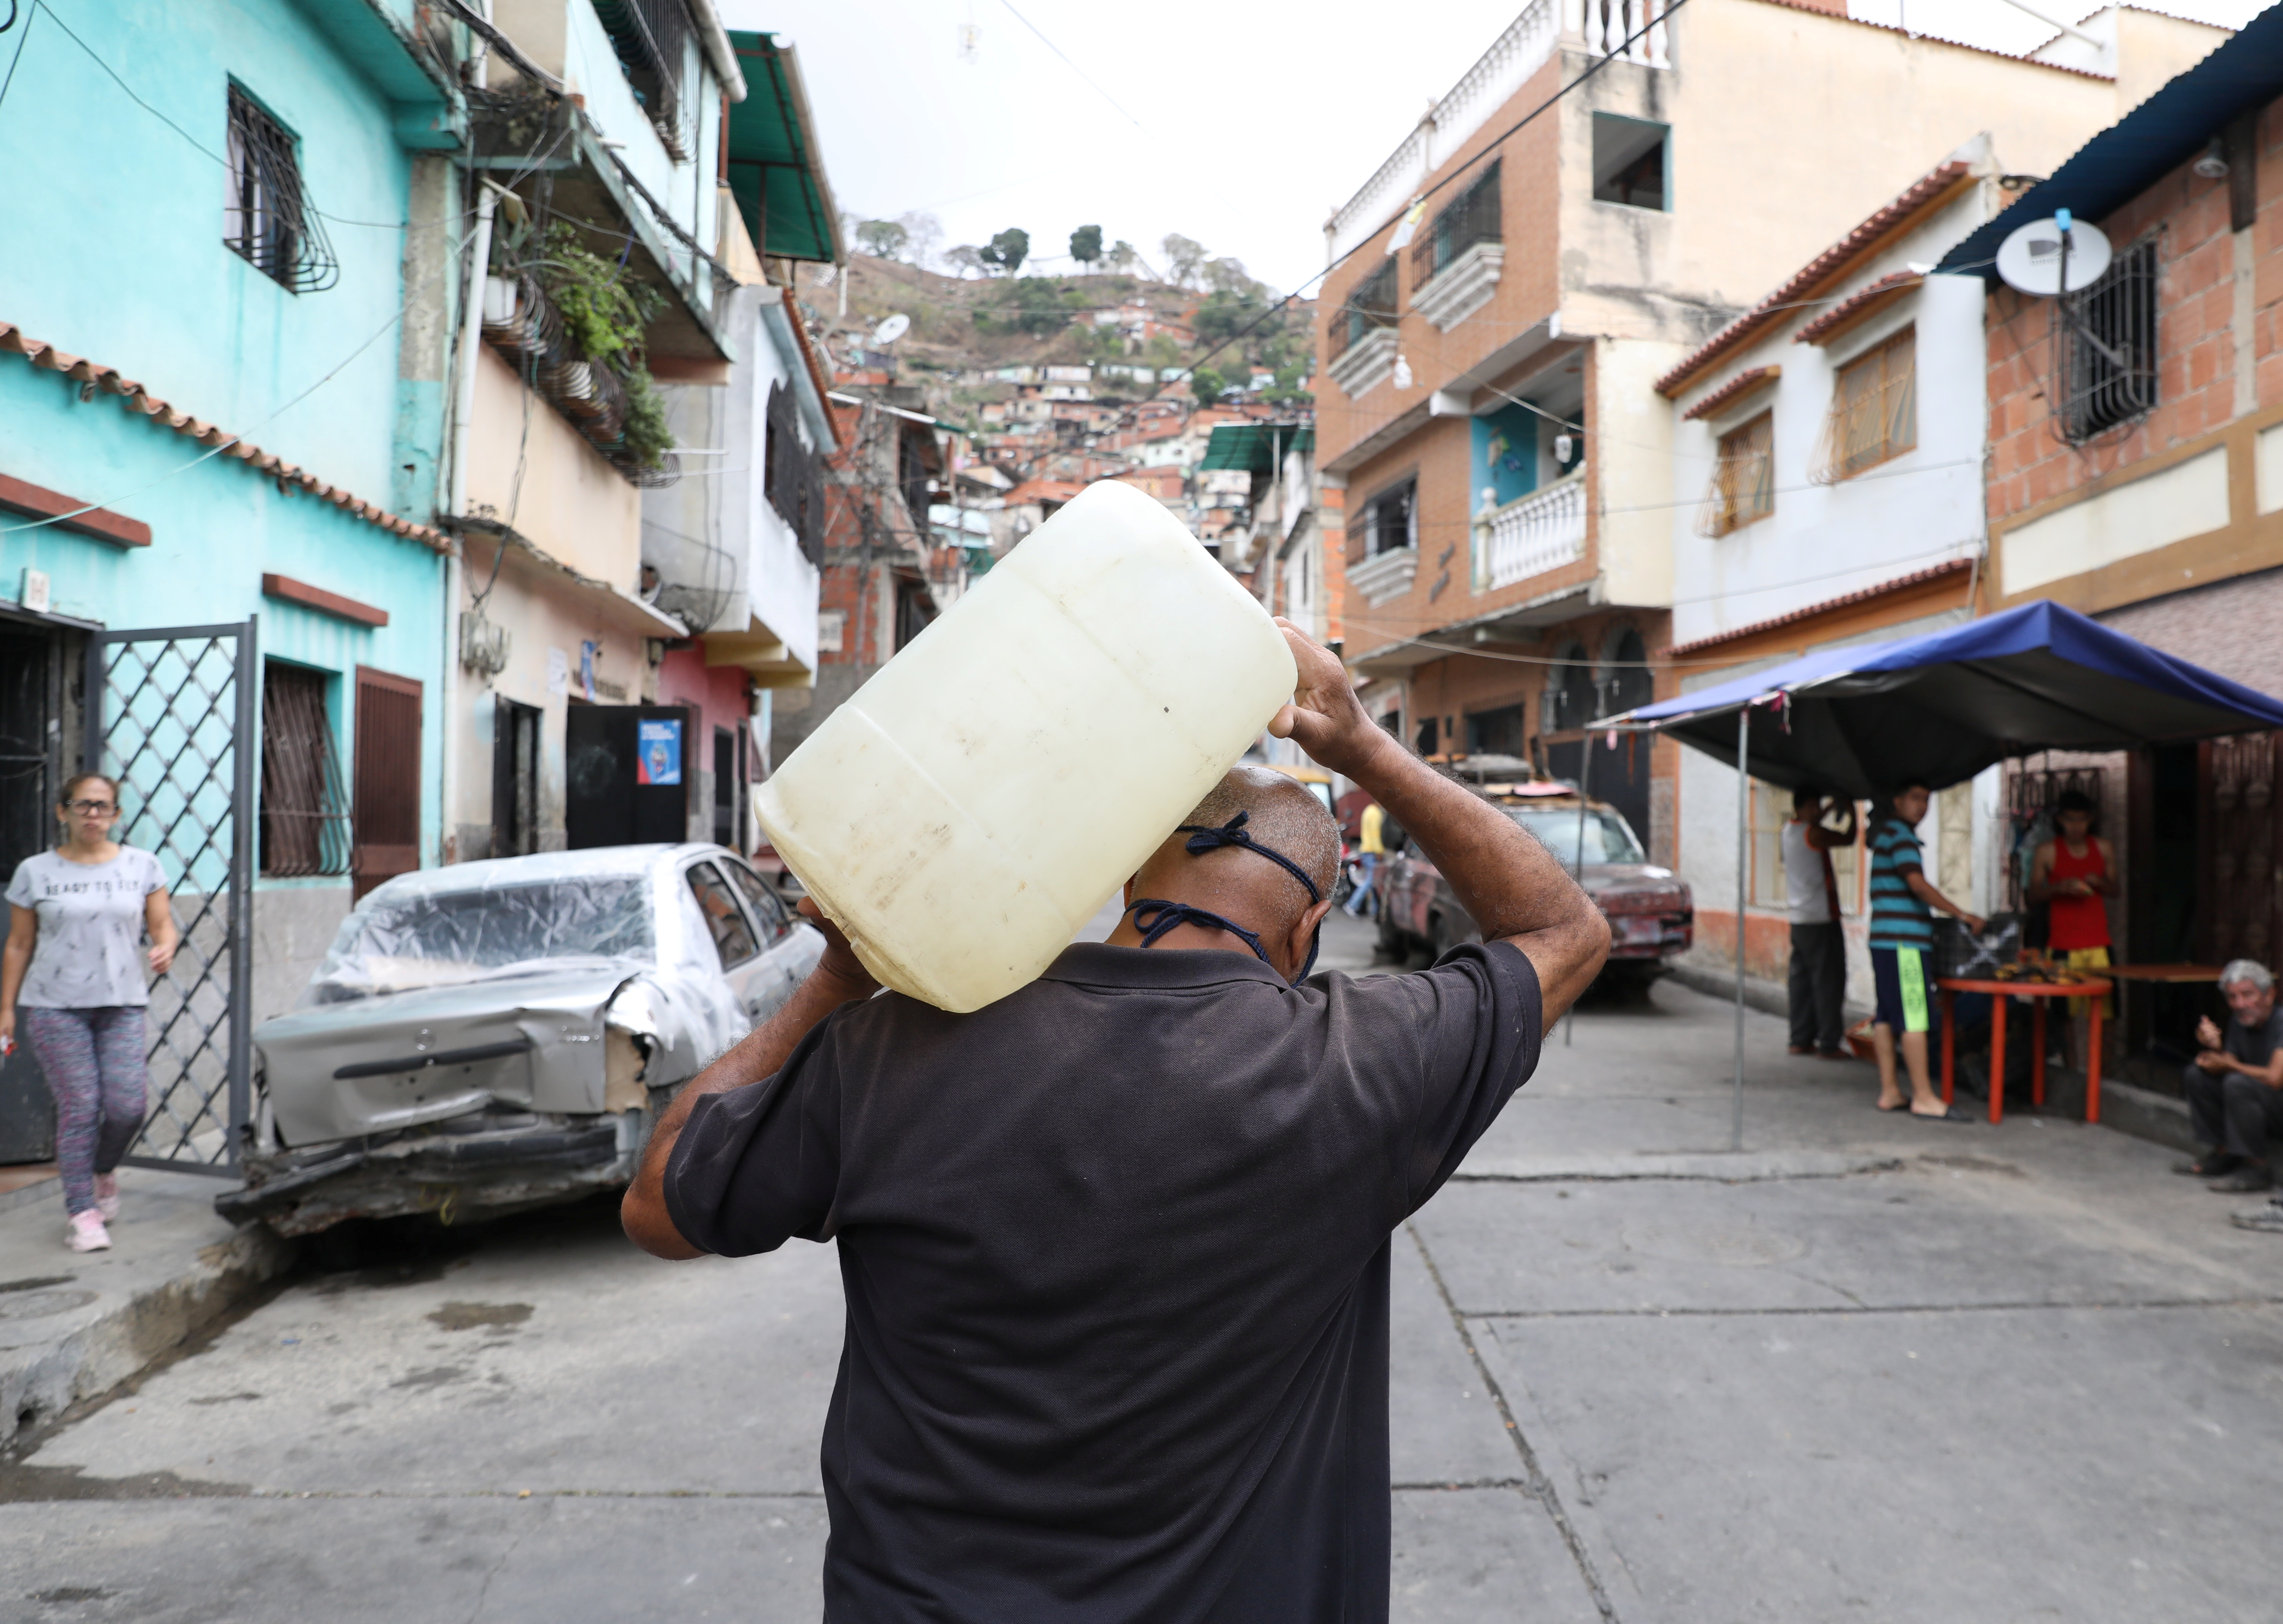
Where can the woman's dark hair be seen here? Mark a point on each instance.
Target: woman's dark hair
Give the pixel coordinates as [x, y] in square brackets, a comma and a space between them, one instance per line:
[72, 784]
[2073, 801]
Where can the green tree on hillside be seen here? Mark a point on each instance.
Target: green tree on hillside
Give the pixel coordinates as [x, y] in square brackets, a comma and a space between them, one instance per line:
[883, 239]
[1208, 386]
[1086, 245]
[1184, 258]
[1008, 251]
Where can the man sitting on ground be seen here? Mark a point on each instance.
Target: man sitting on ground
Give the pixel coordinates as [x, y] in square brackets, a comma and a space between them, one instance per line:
[2235, 1084]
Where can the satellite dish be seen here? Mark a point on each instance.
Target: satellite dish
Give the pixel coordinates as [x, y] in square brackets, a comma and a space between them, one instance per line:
[897, 325]
[2031, 259]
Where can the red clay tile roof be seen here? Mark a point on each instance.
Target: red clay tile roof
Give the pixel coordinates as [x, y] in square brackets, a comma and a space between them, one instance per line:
[1043, 490]
[106, 380]
[1741, 385]
[1861, 304]
[1916, 577]
[1927, 190]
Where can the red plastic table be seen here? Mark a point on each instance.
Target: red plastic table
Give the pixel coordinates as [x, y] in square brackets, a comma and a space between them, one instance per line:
[2039, 992]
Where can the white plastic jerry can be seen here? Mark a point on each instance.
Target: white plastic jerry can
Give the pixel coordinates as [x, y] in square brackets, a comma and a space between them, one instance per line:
[969, 807]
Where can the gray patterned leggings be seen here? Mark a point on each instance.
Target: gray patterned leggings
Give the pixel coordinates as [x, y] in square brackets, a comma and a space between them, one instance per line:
[93, 1061]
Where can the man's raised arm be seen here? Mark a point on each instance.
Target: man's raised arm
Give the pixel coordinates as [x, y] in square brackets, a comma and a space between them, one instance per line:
[838, 978]
[1513, 887]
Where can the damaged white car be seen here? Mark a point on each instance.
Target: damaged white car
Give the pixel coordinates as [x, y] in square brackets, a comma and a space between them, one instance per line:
[500, 1035]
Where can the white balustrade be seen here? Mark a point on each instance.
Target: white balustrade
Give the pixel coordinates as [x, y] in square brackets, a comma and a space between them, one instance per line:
[1531, 534]
[1606, 25]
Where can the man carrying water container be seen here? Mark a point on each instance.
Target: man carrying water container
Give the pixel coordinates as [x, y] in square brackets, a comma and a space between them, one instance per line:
[1115, 1246]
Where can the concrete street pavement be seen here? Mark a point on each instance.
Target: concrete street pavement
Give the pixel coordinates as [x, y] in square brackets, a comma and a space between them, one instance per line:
[1868, 1369]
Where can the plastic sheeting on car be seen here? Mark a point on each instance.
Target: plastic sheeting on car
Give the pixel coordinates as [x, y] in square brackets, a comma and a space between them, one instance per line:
[429, 937]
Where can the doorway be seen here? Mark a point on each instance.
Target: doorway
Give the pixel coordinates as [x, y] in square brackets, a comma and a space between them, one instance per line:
[515, 779]
[29, 673]
[626, 772]
[725, 789]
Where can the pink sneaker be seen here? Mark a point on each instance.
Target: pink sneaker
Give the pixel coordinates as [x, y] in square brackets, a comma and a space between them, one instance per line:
[106, 1195]
[87, 1233]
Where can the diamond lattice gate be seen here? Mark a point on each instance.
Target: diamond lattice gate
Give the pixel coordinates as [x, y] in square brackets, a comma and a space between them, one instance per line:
[171, 715]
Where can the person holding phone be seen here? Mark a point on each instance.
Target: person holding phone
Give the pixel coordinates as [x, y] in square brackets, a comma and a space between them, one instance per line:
[74, 981]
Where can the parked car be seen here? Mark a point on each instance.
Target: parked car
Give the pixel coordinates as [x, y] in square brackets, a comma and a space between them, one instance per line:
[1652, 915]
[500, 1034]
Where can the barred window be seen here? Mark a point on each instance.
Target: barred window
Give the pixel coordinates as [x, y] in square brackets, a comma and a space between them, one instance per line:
[2105, 346]
[1371, 305]
[652, 38]
[1873, 411]
[266, 217]
[1473, 219]
[304, 821]
[1744, 479]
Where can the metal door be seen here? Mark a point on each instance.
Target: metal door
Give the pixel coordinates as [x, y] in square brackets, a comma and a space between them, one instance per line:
[171, 714]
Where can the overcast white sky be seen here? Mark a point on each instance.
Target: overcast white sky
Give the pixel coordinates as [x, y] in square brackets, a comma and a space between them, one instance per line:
[1238, 122]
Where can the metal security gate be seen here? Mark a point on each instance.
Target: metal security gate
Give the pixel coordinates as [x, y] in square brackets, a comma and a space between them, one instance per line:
[171, 714]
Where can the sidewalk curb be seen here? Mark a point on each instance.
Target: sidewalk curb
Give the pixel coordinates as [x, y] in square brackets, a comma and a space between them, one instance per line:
[131, 1326]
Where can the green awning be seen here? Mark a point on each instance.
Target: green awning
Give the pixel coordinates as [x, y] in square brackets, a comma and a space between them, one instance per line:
[776, 171]
[1256, 447]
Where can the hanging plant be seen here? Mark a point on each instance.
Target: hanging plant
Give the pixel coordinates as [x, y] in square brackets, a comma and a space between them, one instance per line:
[605, 313]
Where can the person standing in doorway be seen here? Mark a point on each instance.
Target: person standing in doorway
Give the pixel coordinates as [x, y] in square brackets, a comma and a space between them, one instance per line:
[2072, 874]
[72, 980]
[1819, 953]
[1371, 845]
[1903, 901]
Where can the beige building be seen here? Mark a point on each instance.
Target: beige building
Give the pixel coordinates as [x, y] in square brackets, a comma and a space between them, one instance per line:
[1486, 392]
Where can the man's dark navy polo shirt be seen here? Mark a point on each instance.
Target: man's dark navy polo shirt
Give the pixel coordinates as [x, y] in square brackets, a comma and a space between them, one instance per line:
[1116, 1257]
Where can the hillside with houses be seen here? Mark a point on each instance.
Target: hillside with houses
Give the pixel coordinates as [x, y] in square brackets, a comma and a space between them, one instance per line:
[1039, 384]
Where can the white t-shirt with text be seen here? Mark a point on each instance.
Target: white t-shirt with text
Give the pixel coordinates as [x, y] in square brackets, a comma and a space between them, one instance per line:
[88, 954]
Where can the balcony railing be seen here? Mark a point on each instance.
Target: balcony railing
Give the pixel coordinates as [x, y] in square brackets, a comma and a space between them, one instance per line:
[1606, 25]
[1531, 534]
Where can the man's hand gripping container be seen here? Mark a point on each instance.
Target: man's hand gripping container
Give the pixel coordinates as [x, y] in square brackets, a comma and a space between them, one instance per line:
[976, 802]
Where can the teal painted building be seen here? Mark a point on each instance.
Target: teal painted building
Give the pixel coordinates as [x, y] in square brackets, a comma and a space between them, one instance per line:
[232, 260]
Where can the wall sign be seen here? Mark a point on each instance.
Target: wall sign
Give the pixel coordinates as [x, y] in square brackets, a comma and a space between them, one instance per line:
[657, 752]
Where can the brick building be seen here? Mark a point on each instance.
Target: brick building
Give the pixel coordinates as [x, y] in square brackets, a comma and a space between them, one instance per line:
[2137, 475]
[1506, 289]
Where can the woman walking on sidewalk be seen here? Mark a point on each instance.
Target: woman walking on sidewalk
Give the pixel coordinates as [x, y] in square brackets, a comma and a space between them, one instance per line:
[76, 917]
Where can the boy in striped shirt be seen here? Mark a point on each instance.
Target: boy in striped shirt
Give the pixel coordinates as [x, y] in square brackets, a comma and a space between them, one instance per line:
[1903, 901]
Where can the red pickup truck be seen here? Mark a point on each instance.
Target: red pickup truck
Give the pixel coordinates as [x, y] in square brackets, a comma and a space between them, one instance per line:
[1652, 915]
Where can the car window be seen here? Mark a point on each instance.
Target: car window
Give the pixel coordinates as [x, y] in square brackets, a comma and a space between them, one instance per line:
[764, 902]
[438, 937]
[1606, 836]
[733, 937]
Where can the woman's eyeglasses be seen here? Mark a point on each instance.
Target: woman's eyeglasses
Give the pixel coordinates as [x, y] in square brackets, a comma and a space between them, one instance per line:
[90, 809]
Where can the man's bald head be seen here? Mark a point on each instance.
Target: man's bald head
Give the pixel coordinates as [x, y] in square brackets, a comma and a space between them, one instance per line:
[1282, 815]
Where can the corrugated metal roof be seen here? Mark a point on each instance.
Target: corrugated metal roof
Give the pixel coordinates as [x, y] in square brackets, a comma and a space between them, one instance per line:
[1255, 447]
[776, 171]
[2147, 144]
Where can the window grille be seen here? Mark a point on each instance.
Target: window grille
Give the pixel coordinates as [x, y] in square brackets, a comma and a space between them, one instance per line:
[1473, 219]
[1371, 305]
[1873, 411]
[792, 475]
[304, 821]
[267, 218]
[1744, 479]
[2105, 344]
[652, 38]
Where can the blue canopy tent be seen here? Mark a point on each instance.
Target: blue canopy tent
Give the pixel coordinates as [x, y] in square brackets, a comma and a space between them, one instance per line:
[1937, 710]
